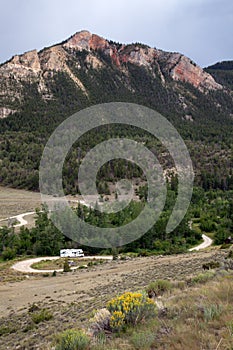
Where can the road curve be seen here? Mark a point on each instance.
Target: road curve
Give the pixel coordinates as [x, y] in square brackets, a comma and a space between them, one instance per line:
[25, 265]
[19, 218]
[207, 243]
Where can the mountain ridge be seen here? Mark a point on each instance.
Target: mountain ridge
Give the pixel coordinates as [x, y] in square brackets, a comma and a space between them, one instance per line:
[36, 66]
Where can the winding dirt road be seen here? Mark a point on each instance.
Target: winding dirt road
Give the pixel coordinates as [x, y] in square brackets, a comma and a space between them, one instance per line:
[19, 218]
[207, 243]
[25, 265]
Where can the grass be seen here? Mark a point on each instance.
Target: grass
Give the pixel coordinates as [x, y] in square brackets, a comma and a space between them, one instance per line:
[212, 312]
[142, 340]
[9, 275]
[48, 264]
[59, 264]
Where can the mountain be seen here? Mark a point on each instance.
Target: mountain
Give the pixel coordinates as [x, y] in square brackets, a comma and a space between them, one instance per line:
[222, 73]
[84, 53]
[40, 89]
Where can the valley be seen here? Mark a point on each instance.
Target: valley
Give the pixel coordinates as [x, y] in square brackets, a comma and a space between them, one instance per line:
[40, 299]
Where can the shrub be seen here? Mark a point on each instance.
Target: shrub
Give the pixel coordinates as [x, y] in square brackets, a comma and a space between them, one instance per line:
[66, 266]
[114, 253]
[8, 254]
[142, 340]
[42, 315]
[129, 309]
[202, 277]
[72, 339]
[211, 265]
[7, 329]
[100, 321]
[158, 287]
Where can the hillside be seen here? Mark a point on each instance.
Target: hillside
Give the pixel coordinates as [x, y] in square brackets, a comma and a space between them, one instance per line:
[40, 89]
[72, 298]
[222, 73]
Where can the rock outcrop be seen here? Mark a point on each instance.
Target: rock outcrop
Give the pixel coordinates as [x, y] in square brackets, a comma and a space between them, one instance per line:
[181, 68]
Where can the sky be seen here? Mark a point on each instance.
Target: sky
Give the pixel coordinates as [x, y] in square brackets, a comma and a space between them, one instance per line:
[200, 29]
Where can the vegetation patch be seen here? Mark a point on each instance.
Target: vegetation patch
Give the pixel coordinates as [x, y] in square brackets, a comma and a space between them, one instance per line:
[130, 309]
[41, 316]
[72, 339]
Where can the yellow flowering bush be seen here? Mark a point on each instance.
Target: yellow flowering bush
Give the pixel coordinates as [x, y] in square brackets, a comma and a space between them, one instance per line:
[130, 308]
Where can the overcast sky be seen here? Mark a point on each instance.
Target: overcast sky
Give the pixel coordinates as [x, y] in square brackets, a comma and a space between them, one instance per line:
[200, 29]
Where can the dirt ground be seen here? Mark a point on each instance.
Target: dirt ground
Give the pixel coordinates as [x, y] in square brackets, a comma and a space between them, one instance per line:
[14, 201]
[72, 297]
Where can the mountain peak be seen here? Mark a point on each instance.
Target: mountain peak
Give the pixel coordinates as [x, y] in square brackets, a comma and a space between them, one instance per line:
[84, 40]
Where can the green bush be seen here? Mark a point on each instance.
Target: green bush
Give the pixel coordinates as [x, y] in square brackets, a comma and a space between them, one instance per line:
[72, 339]
[158, 287]
[42, 315]
[66, 266]
[8, 254]
[142, 340]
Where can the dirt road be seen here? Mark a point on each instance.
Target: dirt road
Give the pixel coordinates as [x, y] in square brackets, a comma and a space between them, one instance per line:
[207, 243]
[25, 265]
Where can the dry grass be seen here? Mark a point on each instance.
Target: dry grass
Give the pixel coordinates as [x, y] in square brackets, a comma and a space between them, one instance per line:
[199, 318]
[185, 325]
[9, 275]
[14, 201]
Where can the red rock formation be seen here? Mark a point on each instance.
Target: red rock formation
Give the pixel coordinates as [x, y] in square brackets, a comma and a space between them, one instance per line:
[187, 71]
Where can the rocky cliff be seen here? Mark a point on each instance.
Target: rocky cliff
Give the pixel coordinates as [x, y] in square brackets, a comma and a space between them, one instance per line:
[37, 67]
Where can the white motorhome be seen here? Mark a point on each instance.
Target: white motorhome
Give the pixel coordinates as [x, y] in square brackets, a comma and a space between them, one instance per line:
[71, 253]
